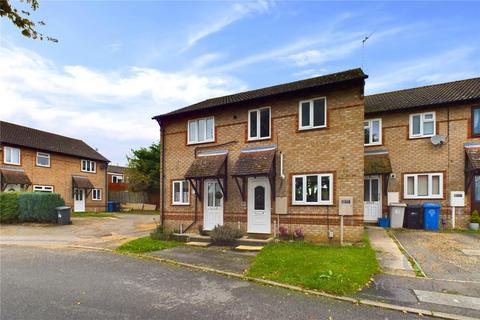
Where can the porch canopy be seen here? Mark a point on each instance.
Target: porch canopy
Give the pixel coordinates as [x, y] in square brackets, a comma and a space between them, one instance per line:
[472, 163]
[208, 166]
[14, 177]
[378, 163]
[255, 162]
[79, 182]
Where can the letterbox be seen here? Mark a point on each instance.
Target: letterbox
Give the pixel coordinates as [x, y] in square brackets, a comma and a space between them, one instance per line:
[345, 206]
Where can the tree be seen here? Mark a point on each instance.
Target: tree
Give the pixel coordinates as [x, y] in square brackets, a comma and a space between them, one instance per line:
[143, 172]
[21, 19]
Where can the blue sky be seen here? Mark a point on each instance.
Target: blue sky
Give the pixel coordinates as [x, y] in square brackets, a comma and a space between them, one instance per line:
[118, 63]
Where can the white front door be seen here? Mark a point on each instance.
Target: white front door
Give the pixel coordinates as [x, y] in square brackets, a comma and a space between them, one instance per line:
[79, 200]
[213, 205]
[372, 198]
[259, 206]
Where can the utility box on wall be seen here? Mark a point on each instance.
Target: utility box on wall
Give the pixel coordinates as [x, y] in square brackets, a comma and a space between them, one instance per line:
[281, 205]
[345, 206]
[457, 199]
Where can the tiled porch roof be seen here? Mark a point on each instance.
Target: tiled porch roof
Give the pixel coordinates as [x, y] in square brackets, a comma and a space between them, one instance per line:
[473, 155]
[15, 177]
[82, 183]
[206, 167]
[377, 164]
[254, 163]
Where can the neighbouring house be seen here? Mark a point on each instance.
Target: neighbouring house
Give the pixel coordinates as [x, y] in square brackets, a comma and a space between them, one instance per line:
[420, 145]
[39, 161]
[276, 156]
[116, 178]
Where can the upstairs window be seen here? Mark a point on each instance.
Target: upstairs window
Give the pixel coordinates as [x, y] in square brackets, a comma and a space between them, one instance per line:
[43, 159]
[422, 125]
[201, 130]
[96, 194]
[181, 192]
[423, 186]
[313, 114]
[11, 155]
[259, 124]
[117, 178]
[476, 121]
[89, 166]
[312, 189]
[372, 132]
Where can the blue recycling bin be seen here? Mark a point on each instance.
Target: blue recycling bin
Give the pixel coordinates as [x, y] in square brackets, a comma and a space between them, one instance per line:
[431, 216]
[110, 206]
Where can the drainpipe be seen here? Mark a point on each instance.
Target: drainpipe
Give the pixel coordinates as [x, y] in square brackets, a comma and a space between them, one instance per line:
[282, 176]
[162, 172]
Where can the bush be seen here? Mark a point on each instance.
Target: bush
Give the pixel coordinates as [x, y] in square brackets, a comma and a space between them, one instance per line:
[9, 212]
[39, 207]
[225, 234]
[161, 233]
[201, 231]
[283, 233]
[475, 217]
[298, 234]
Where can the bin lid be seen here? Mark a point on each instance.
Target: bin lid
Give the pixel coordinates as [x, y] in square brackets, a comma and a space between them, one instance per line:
[432, 205]
[62, 208]
[397, 204]
[415, 206]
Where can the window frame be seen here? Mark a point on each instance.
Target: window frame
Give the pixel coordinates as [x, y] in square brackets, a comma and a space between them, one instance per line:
[87, 168]
[5, 155]
[473, 134]
[429, 195]
[182, 201]
[116, 176]
[99, 198]
[206, 140]
[300, 114]
[258, 110]
[319, 202]
[42, 188]
[380, 135]
[44, 154]
[422, 122]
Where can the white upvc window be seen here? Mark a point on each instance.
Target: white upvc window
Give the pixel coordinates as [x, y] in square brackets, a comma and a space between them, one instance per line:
[11, 155]
[180, 192]
[38, 188]
[312, 189]
[201, 130]
[259, 124]
[43, 159]
[423, 186]
[372, 129]
[117, 178]
[422, 125]
[312, 114]
[89, 166]
[97, 194]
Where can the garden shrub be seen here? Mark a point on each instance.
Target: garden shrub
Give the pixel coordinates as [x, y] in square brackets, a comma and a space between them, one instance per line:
[9, 212]
[39, 207]
[161, 233]
[475, 217]
[225, 234]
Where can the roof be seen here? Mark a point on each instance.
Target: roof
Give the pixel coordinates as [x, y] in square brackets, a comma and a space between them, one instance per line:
[82, 183]
[451, 92]
[116, 169]
[14, 177]
[377, 164]
[329, 79]
[254, 163]
[206, 167]
[15, 134]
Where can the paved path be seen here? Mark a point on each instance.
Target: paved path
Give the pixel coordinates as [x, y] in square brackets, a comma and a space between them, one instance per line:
[72, 284]
[108, 232]
[389, 256]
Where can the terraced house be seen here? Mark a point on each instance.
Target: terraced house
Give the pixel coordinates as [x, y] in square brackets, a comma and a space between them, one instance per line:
[40, 161]
[277, 156]
[422, 144]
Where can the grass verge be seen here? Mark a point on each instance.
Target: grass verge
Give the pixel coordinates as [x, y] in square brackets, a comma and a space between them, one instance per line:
[146, 244]
[333, 269]
[148, 212]
[92, 214]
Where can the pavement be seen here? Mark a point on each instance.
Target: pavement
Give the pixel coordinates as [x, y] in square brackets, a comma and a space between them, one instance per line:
[101, 232]
[39, 283]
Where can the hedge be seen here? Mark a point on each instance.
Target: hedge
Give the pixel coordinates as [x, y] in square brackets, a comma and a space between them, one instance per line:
[38, 206]
[9, 211]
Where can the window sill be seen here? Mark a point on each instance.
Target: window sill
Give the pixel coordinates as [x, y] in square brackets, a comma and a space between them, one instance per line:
[373, 144]
[423, 198]
[38, 165]
[312, 204]
[12, 164]
[88, 171]
[203, 142]
[180, 204]
[420, 137]
[259, 139]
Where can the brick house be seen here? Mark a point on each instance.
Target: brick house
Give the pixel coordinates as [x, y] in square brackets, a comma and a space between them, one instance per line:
[116, 178]
[39, 161]
[400, 157]
[277, 156]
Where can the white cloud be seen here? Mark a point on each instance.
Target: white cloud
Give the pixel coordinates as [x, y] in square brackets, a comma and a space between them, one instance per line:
[237, 11]
[107, 109]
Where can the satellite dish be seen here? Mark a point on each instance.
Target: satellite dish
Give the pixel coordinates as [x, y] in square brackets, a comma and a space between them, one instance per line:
[437, 140]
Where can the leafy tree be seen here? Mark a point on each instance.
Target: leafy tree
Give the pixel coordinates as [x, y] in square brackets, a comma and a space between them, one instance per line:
[21, 19]
[143, 172]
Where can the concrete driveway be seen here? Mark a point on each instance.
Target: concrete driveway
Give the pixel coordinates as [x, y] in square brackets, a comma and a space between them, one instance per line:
[450, 256]
[108, 232]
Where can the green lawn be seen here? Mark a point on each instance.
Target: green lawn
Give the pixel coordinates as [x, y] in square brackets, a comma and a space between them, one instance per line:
[155, 213]
[146, 244]
[339, 270]
[92, 214]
